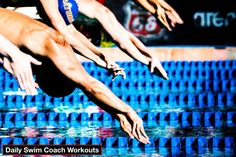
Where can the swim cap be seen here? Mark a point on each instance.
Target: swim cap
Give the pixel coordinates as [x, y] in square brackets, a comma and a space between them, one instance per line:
[69, 10]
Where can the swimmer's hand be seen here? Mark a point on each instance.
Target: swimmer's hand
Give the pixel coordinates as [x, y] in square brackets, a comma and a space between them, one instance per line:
[135, 130]
[20, 68]
[163, 9]
[156, 68]
[115, 70]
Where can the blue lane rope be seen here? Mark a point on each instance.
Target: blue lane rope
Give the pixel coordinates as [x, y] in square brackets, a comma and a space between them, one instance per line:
[135, 99]
[175, 119]
[123, 142]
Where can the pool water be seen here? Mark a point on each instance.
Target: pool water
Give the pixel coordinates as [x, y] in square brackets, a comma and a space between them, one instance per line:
[191, 114]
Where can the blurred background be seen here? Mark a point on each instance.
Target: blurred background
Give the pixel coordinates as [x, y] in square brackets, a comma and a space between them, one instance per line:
[206, 22]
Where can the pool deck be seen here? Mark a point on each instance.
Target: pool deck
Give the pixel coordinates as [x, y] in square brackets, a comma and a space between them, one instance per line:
[187, 53]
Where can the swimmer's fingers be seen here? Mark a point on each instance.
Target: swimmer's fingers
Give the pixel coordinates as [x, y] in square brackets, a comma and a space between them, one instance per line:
[164, 9]
[31, 83]
[22, 68]
[125, 125]
[162, 17]
[176, 16]
[30, 72]
[34, 61]
[117, 72]
[123, 74]
[143, 132]
[19, 79]
[136, 131]
[27, 83]
[114, 77]
[169, 10]
[22, 79]
[7, 66]
[26, 78]
[137, 127]
[155, 63]
[120, 71]
[172, 18]
[36, 85]
[111, 64]
[134, 127]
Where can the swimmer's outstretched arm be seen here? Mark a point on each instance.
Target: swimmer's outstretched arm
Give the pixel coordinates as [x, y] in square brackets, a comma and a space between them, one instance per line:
[40, 40]
[97, 91]
[161, 9]
[127, 41]
[109, 63]
[64, 59]
[18, 64]
[78, 41]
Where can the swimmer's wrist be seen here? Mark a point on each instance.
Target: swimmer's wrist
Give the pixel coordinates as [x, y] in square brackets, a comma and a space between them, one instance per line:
[124, 109]
[8, 49]
[129, 110]
[14, 54]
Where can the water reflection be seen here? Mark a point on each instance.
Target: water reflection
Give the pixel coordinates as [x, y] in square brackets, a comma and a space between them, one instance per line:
[103, 132]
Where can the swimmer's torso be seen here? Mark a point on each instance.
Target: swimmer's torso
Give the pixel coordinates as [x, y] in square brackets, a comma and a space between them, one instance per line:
[14, 25]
